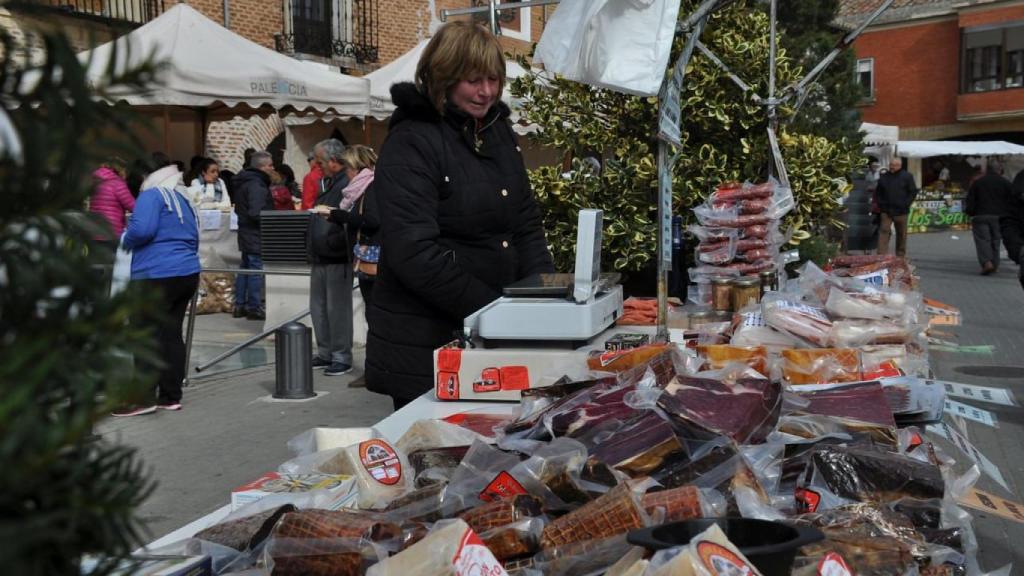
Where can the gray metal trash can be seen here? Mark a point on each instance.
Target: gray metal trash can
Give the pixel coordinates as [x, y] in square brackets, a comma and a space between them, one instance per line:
[293, 354]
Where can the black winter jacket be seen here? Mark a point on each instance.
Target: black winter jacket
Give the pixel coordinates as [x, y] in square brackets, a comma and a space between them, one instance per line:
[327, 242]
[990, 195]
[252, 195]
[458, 223]
[896, 192]
[364, 218]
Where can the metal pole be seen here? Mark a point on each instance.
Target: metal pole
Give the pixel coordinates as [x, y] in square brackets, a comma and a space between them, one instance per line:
[493, 15]
[772, 47]
[189, 333]
[227, 14]
[251, 341]
[447, 12]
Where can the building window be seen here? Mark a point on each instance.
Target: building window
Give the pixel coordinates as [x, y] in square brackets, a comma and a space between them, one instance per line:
[866, 77]
[993, 58]
[513, 23]
[345, 29]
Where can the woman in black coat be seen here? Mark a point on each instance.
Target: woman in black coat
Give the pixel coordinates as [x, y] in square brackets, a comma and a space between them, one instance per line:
[458, 219]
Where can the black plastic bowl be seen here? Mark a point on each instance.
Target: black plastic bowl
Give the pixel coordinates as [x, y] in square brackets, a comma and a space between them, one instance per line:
[770, 546]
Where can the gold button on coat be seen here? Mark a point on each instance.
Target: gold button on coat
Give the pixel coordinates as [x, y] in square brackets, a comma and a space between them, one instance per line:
[504, 192]
[504, 243]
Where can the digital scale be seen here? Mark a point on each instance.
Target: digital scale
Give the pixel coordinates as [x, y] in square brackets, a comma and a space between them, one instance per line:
[556, 307]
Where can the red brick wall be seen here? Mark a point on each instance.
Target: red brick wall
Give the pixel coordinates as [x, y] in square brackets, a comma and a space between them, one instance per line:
[916, 73]
[257, 20]
[997, 101]
[970, 18]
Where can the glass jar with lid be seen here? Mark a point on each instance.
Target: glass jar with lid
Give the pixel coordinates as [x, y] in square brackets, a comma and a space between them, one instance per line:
[745, 291]
[721, 294]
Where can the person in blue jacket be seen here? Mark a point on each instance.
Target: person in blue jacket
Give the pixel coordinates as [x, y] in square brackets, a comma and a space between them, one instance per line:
[163, 238]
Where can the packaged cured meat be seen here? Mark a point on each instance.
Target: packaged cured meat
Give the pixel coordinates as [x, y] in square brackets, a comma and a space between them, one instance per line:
[321, 542]
[747, 244]
[673, 504]
[733, 194]
[745, 411]
[856, 333]
[435, 465]
[640, 446]
[872, 475]
[382, 473]
[874, 304]
[711, 234]
[622, 360]
[854, 260]
[718, 253]
[713, 217]
[719, 355]
[451, 549]
[592, 556]
[863, 401]
[750, 330]
[760, 231]
[245, 532]
[502, 512]
[740, 221]
[616, 512]
[516, 540]
[802, 321]
[639, 312]
[754, 255]
[820, 365]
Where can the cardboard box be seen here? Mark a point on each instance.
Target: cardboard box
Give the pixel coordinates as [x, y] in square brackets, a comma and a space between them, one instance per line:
[340, 486]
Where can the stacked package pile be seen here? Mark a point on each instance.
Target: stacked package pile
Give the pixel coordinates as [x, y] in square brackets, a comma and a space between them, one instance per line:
[781, 426]
[738, 231]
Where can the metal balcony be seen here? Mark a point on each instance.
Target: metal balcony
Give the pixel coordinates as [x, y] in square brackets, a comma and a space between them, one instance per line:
[345, 29]
[130, 12]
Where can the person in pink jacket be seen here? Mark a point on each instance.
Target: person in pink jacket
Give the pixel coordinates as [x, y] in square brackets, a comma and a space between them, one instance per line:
[111, 198]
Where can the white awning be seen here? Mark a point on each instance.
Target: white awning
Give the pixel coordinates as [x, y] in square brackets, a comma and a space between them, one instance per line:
[927, 148]
[208, 66]
[880, 134]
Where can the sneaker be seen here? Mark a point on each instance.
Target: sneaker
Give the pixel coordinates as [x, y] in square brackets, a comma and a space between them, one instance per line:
[337, 369]
[319, 363]
[171, 406]
[256, 315]
[133, 411]
[238, 312]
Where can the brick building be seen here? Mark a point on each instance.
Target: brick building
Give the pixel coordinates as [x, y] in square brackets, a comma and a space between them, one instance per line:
[942, 69]
[351, 36]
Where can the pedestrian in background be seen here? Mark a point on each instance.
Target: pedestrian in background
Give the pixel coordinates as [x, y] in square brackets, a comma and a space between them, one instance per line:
[987, 202]
[281, 194]
[288, 175]
[1011, 225]
[163, 237]
[896, 191]
[871, 180]
[111, 199]
[252, 196]
[311, 184]
[208, 187]
[330, 281]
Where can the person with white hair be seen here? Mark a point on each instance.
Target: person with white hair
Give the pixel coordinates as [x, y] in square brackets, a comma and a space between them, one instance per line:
[252, 196]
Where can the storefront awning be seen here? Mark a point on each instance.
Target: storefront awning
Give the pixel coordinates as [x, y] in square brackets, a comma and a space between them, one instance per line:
[927, 148]
[880, 134]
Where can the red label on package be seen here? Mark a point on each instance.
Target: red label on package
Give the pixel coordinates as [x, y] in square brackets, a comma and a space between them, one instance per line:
[720, 561]
[887, 369]
[381, 461]
[447, 386]
[915, 441]
[474, 559]
[515, 378]
[606, 358]
[503, 486]
[832, 564]
[807, 500]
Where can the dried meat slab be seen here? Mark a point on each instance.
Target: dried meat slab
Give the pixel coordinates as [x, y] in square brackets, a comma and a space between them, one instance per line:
[864, 401]
[540, 402]
[502, 512]
[870, 475]
[244, 533]
[436, 464]
[682, 503]
[599, 407]
[615, 512]
[640, 446]
[746, 411]
[325, 542]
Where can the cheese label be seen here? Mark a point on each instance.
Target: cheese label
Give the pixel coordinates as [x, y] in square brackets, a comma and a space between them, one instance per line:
[474, 559]
[380, 461]
[503, 486]
[720, 561]
[832, 564]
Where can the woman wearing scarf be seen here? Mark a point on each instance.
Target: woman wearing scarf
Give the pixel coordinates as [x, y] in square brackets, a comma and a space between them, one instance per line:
[163, 237]
[208, 190]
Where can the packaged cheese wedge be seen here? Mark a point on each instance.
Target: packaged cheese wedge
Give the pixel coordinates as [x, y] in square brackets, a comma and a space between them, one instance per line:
[451, 549]
[710, 553]
[382, 473]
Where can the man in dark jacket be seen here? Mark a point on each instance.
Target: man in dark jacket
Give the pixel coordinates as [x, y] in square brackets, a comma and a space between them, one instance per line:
[1011, 225]
[458, 223]
[252, 196]
[987, 202]
[330, 282]
[895, 192]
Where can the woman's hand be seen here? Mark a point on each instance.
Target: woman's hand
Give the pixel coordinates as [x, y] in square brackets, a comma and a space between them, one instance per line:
[323, 210]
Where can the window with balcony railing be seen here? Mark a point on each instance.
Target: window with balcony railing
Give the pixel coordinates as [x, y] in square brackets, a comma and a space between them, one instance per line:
[992, 58]
[133, 12]
[335, 29]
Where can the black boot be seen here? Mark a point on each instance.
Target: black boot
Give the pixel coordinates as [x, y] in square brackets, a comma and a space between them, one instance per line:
[238, 312]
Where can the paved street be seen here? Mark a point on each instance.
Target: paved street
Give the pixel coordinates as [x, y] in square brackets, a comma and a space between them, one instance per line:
[993, 313]
[228, 433]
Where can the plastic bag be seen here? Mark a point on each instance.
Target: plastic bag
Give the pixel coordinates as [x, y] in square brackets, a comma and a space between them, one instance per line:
[873, 304]
[716, 254]
[315, 541]
[802, 321]
[745, 410]
[317, 439]
[719, 355]
[122, 273]
[427, 434]
[452, 547]
[622, 46]
[750, 330]
[820, 365]
[617, 511]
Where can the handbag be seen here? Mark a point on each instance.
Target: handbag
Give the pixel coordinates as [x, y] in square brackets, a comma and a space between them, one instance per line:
[366, 256]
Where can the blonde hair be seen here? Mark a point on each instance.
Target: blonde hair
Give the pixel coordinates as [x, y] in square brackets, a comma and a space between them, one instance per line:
[359, 157]
[458, 51]
[116, 164]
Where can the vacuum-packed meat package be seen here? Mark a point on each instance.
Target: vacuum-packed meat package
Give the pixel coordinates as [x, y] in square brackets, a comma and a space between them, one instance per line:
[673, 504]
[803, 321]
[449, 550]
[719, 355]
[863, 401]
[502, 512]
[745, 411]
[622, 360]
[244, 533]
[873, 304]
[856, 333]
[750, 330]
[435, 465]
[324, 542]
[536, 403]
[872, 475]
[820, 365]
[617, 511]
[640, 446]
[515, 540]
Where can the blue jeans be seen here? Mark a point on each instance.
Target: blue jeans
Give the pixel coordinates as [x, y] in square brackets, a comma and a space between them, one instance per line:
[249, 287]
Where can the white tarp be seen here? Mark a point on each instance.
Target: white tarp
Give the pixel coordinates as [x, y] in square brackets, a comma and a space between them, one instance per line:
[880, 134]
[209, 66]
[403, 69]
[927, 148]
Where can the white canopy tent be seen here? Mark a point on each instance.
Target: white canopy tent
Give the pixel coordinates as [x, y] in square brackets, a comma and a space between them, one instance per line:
[211, 68]
[403, 69]
[880, 140]
[928, 148]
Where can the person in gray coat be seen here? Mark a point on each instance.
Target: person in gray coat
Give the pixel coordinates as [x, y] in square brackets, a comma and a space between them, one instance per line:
[895, 192]
[330, 253]
[987, 201]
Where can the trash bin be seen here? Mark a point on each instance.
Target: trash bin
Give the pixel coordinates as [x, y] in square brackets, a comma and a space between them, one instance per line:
[293, 354]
